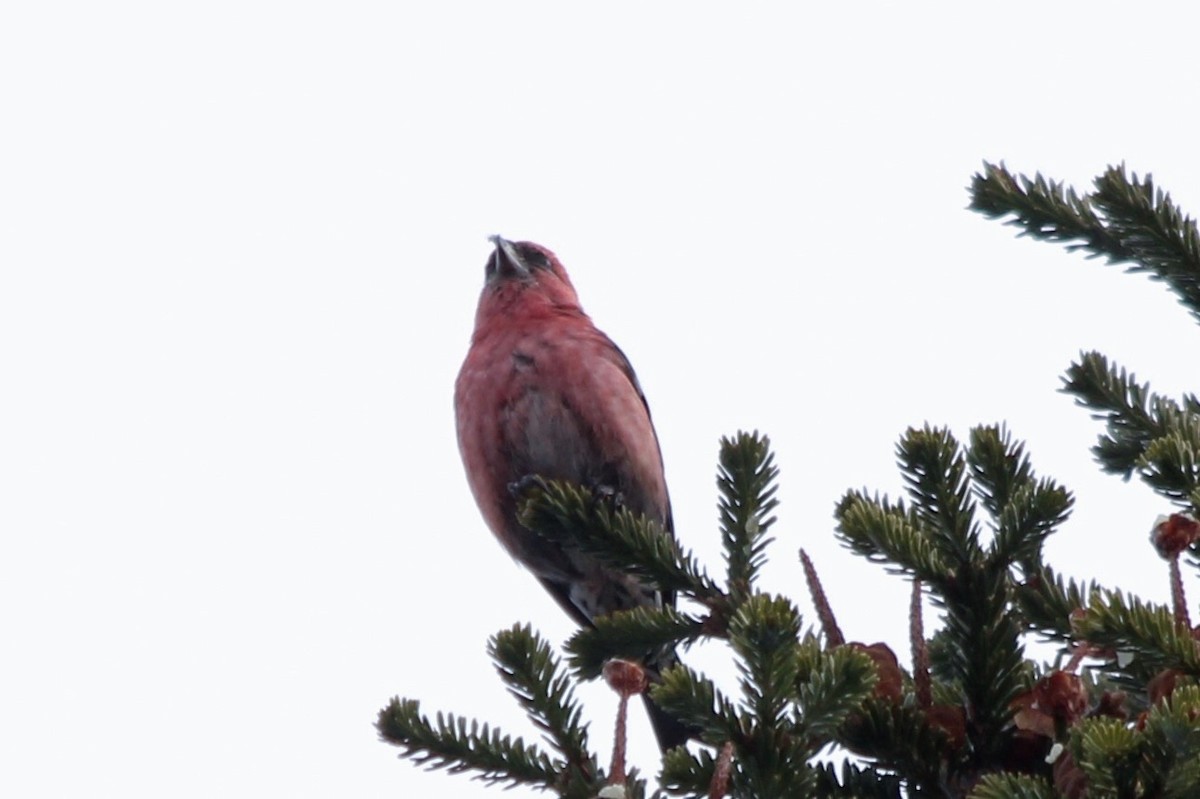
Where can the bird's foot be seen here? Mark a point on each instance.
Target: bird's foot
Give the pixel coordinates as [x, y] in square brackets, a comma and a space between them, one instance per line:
[608, 495]
[522, 486]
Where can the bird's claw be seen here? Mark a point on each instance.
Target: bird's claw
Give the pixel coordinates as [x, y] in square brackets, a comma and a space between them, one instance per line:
[522, 486]
[607, 494]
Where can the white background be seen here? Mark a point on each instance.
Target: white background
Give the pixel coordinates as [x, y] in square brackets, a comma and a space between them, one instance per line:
[240, 249]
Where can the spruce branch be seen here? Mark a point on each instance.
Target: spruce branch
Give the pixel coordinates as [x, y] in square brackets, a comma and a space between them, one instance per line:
[1027, 519]
[794, 697]
[1127, 408]
[459, 745]
[1109, 753]
[899, 739]
[1171, 464]
[1134, 416]
[746, 481]
[780, 773]
[1125, 220]
[1149, 632]
[687, 774]
[889, 534]
[999, 466]
[935, 472]
[695, 700]
[1025, 510]
[1047, 602]
[809, 655]
[986, 655]
[1006, 785]
[985, 651]
[572, 516]
[764, 634]
[1044, 209]
[1158, 237]
[979, 651]
[1172, 742]
[841, 682]
[945, 685]
[635, 634]
[855, 783]
[529, 668]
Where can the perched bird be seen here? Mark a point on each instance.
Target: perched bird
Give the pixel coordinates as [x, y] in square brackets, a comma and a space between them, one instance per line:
[543, 393]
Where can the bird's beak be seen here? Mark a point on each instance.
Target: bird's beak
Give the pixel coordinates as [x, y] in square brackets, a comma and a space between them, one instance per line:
[507, 261]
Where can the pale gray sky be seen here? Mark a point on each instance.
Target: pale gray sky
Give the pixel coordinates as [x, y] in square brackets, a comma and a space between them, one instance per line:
[242, 245]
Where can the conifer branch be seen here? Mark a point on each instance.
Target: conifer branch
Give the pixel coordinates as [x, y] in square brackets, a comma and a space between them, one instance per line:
[635, 634]
[1158, 237]
[888, 534]
[999, 466]
[687, 774]
[1048, 602]
[1172, 742]
[1109, 752]
[945, 683]
[1171, 464]
[1149, 632]
[746, 481]
[529, 669]
[986, 653]
[840, 683]
[695, 700]
[899, 739]
[764, 634]
[1013, 786]
[1027, 519]
[1025, 510]
[935, 472]
[571, 516]
[458, 745]
[1133, 415]
[1044, 209]
[855, 783]
[1125, 220]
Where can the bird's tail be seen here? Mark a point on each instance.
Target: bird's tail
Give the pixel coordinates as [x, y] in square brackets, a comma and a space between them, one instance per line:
[670, 731]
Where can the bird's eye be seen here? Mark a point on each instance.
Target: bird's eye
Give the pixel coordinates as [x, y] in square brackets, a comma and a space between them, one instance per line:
[535, 258]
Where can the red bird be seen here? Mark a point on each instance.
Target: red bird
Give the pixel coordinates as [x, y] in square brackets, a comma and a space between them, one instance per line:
[543, 392]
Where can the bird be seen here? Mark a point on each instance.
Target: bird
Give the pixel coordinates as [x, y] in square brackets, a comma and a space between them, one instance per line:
[544, 394]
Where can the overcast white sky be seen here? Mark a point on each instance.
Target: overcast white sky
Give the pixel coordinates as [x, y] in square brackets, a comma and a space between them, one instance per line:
[241, 245]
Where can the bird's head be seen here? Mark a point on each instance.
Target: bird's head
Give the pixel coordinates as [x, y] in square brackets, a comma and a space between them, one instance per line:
[525, 276]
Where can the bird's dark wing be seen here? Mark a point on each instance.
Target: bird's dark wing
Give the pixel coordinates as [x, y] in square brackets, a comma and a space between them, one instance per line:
[619, 357]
